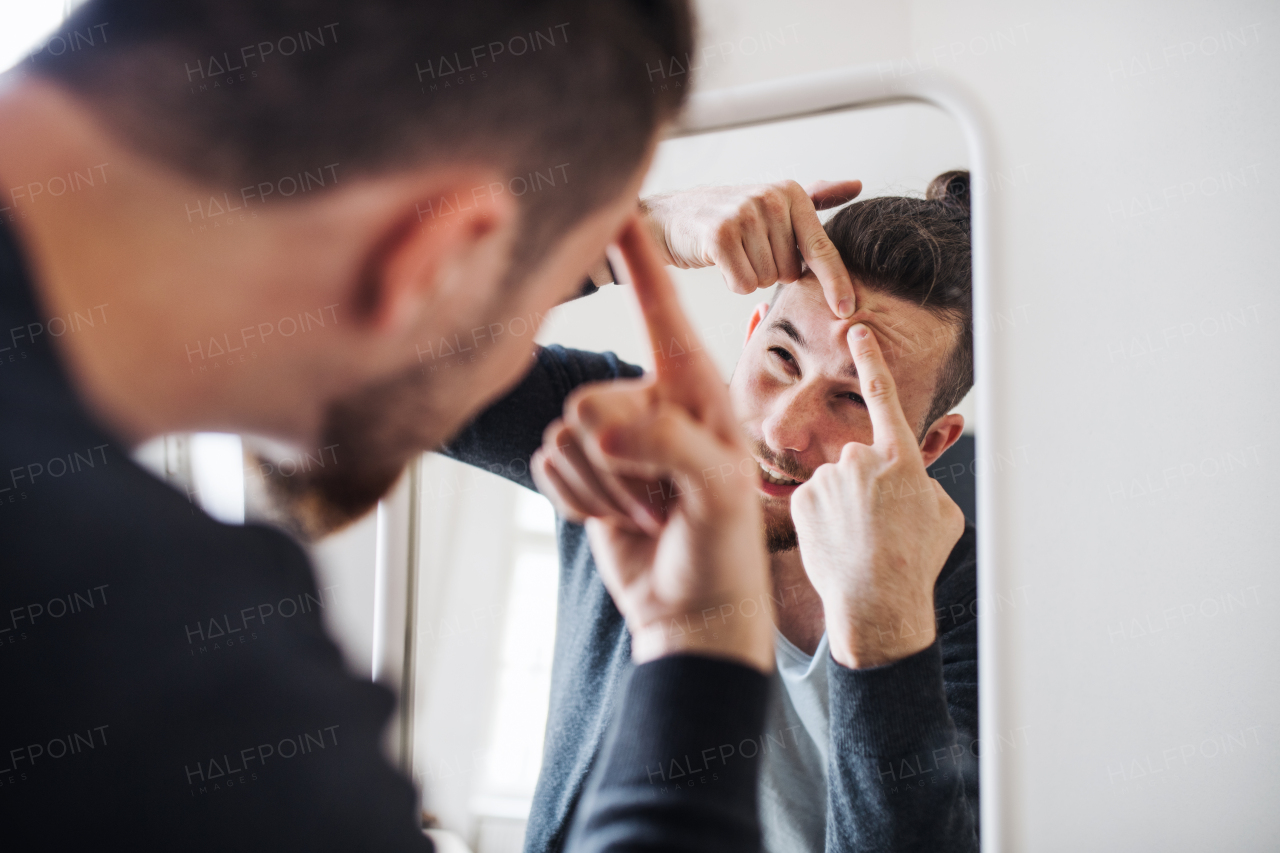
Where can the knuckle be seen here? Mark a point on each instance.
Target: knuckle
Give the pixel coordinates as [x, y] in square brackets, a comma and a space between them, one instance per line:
[553, 435]
[825, 477]
[726, 232]
[576, 405]
[878, 387]
[539, 468]
[768, 272]
[818, 247]
[741, 283]
[788, 263]
[791, 188]
[774, 204]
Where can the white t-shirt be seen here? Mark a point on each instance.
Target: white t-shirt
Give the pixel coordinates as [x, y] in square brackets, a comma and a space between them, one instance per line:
[793, 778]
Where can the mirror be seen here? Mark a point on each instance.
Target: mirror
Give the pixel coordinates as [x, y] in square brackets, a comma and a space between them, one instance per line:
[483, 660]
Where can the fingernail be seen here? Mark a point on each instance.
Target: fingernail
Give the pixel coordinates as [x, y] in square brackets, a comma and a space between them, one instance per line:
[845, 307]
[857, 330]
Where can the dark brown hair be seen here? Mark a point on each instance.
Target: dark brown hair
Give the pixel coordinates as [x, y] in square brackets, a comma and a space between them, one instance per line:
[918, 249]
[235, 92]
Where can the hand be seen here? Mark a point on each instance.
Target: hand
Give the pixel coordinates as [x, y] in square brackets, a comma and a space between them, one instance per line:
[658, 470]
[875, 529]
[757, 235]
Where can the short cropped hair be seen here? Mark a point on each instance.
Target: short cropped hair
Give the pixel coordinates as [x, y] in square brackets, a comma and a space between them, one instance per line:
[557, 94]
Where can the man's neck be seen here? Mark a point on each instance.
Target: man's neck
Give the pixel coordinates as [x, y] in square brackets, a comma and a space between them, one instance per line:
[797, 607]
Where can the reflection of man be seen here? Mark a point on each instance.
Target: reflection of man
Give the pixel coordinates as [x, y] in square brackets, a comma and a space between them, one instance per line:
[136, 709]
[868, 740]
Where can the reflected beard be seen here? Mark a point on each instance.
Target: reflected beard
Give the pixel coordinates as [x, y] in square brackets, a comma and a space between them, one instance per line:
[780, 533]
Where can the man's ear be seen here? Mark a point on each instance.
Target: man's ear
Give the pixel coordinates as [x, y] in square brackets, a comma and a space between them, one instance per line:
[444, 230]
[757, 317]
[945, 432]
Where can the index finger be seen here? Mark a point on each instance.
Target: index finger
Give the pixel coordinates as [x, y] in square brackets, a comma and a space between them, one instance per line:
[827, 194]
[821, 255]
[888, 423]
[685, 373]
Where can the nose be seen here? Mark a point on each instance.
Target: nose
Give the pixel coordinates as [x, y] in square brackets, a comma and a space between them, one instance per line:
[789, 425]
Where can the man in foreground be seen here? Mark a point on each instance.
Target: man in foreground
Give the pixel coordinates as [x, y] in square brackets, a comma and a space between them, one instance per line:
[869, 742]
[116, 730]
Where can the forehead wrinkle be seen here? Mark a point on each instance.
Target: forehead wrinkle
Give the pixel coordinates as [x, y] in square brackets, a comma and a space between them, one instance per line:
[874, 309]
[894, 322]
[880, 320]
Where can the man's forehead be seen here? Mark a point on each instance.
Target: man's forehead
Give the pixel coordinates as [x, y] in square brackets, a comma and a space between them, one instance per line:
[903, 328]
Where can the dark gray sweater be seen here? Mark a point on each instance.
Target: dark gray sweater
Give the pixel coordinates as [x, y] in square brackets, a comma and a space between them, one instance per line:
[903, 751]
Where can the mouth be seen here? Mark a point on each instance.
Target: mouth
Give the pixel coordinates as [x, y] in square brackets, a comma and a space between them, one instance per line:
[774, 483]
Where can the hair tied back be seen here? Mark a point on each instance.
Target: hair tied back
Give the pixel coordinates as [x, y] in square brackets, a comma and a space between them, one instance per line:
[950, 188]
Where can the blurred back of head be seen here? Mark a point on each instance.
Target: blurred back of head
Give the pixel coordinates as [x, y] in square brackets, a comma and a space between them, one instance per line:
[236, 92]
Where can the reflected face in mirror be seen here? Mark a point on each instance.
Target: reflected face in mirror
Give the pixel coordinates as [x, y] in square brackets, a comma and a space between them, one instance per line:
[797, 395]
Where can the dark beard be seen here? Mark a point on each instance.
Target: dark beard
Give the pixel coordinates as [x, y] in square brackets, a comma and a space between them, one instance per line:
[780, 535]
[375, 433]
[313, 504]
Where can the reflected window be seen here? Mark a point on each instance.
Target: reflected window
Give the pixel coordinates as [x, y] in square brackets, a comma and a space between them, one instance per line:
[513, 752]
[207, 467]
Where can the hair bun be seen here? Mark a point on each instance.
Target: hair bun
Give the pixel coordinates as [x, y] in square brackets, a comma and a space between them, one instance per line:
[951, 188]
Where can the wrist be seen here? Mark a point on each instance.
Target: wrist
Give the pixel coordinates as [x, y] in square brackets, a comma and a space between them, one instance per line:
[717, 631]
[861, 638]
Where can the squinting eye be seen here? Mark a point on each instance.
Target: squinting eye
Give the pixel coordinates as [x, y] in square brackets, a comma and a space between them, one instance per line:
[782, 354]
[856, 399]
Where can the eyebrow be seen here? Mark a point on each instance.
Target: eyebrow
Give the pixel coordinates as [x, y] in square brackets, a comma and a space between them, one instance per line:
[783, 325]
[787, 328]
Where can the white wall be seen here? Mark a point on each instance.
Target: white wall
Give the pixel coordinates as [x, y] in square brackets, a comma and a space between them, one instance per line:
[1143, 633]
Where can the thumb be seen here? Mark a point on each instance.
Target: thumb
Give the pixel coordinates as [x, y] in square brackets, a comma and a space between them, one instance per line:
[828, 194]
